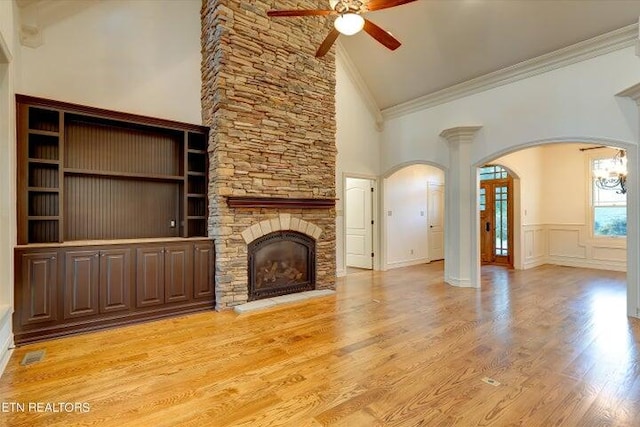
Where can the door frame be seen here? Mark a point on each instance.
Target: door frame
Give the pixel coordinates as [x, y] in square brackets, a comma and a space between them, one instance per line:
[444, 214]
[375, 237]
[509, 182]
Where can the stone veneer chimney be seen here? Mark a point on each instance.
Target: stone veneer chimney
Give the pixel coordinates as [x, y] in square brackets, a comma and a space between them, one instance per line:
[271, 108]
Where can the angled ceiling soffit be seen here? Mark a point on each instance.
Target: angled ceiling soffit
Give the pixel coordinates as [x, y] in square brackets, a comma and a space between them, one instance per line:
[358, 81]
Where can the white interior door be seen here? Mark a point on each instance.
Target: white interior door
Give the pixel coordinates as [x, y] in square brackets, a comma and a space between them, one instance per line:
[358, 216]
[435, 200]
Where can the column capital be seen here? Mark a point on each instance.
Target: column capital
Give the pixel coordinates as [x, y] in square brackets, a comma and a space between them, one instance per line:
[460, 133]
[633, 92]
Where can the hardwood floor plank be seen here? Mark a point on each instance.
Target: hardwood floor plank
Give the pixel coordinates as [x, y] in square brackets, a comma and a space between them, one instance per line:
[399, 348]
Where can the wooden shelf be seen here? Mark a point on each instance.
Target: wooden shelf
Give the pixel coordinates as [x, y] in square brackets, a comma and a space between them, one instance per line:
[143, 176]
[43, 190]
[193, 173]
[194, 151]
[44, 132]
[44, 161]
[197, 217]
[43, 218]
[197, 196]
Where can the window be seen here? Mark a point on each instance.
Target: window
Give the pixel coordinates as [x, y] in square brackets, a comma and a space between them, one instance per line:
[609, 207]
[493, 172]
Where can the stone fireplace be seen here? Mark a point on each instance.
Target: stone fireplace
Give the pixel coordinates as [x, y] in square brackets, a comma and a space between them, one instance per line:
[271, 108]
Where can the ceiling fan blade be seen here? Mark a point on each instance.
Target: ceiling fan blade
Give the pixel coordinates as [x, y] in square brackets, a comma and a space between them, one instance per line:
[385, 4]
[327, 43]
[292, 13]
[381, 35]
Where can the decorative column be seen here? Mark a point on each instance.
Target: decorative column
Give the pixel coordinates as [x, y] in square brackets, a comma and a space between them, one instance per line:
[633, 213]
[462, 247]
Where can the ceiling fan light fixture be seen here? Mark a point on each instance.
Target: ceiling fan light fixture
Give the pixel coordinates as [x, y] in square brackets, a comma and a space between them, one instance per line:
[349, 23]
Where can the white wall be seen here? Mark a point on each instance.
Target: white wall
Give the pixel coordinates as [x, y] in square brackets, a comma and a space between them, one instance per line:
[358, 144]
[138, 56]
[8, 58]
[405, 214]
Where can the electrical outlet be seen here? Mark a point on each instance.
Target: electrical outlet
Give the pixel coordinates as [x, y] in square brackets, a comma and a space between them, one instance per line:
[172, 223]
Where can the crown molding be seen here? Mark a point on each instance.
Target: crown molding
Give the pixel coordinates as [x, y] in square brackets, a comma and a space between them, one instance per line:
[362, 87]
[600, 45]
[633, 92]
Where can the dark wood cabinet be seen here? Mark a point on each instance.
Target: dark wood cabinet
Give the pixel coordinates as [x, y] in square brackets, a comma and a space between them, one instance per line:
[112, 215]
[178, 269]
[149, 276]
[69, 289]
[37, 276]
[164, 274]
[81, 285]
[115, 280]
[203, 270]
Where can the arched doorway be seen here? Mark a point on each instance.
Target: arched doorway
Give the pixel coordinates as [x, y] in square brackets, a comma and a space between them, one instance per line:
[413, 215]
[531, 227]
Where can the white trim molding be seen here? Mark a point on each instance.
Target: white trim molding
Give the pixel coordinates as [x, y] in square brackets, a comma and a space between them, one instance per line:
[600, 45]
[633, 92]
[282, 222]
[358, 81]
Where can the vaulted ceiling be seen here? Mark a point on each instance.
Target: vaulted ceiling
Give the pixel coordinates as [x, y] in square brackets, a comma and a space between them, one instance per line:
[446, 42]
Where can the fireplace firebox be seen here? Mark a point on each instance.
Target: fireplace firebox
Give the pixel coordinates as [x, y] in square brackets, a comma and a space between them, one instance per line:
[282, 262]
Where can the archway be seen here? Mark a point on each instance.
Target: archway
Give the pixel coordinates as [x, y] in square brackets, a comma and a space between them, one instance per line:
[633, 239]
[413, 210]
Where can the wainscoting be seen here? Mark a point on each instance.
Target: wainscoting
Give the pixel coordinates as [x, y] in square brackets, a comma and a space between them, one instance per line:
[571, 245]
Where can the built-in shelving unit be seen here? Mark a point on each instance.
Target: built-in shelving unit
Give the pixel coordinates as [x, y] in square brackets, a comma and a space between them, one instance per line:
[92, 174]
[112, 219]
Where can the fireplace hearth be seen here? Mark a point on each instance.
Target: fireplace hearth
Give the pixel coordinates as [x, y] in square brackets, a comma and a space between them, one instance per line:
[282, 262]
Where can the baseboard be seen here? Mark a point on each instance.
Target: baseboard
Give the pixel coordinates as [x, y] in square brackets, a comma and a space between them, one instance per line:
[584, 263]
[460, 283]
[409, 263]
[341, 273]
[6, 337]
[537, 262]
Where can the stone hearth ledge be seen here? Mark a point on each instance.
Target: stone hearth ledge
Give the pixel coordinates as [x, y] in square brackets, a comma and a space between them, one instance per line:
[263, 304]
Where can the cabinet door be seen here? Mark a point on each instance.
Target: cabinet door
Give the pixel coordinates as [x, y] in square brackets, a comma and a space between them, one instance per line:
[203, 270]
[149, 276]
[115, 280]
[178, 278]
[38, 281]
[82, 272]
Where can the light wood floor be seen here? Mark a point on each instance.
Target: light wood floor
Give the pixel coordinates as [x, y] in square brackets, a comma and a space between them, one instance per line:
[396, 349]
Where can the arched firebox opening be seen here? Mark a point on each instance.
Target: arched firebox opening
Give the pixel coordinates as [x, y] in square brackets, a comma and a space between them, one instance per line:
[282, 262]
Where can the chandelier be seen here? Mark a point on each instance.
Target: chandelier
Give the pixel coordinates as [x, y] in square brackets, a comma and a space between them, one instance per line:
[611, 174]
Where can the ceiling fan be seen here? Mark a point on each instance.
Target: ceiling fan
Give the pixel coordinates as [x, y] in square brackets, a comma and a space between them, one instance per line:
[349, 20]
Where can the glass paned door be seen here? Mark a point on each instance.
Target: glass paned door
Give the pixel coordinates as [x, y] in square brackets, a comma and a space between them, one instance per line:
[496, 219]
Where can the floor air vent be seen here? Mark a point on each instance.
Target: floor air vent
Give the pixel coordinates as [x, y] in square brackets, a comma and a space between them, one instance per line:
[32, 357]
